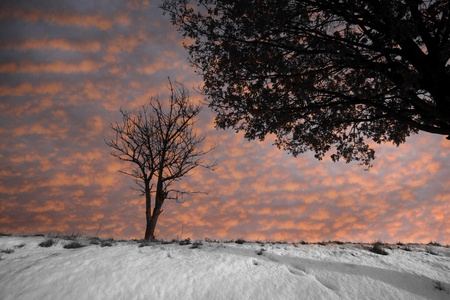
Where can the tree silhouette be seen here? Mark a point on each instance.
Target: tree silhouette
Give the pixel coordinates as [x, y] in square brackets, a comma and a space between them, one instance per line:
[162, 146]
[322, 75]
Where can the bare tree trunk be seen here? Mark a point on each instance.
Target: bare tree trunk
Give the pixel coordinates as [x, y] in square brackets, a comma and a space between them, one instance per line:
[150, 229]
[152, 219]
[151, 225]
[149, 233]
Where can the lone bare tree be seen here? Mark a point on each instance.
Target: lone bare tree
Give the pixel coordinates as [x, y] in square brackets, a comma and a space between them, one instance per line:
[162, 146]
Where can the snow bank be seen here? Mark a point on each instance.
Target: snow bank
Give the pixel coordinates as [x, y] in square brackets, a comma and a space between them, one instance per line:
[220, 271]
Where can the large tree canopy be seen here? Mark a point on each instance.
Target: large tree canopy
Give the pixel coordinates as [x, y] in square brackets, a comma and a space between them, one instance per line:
[322, 75]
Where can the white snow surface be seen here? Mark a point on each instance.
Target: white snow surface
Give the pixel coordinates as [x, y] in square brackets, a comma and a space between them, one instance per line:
[218, 270]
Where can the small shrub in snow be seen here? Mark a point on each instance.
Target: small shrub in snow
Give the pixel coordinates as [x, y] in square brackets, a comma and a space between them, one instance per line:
[102, 243]
[431, 243]
[95, 241]
[47, 243]
[8, 251]
[196, 245]
[106, 243]
[185, 242]
[168, 242]
[209, 240]
[378, 248]
[439, 286]
[406, 248]
[73, 245]
[144, 243]
[69, 236]
[240, 241]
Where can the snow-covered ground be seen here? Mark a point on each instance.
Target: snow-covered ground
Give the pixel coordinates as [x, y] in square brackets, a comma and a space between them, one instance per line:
[216, 270]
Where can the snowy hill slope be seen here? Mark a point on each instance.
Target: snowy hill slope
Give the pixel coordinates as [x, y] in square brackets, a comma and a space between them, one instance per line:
[216, 270]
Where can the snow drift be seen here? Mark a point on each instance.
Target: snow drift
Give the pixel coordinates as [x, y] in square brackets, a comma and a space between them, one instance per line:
[216, 270]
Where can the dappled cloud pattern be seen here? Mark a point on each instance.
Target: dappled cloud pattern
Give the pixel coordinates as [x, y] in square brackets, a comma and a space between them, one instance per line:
[66, 68]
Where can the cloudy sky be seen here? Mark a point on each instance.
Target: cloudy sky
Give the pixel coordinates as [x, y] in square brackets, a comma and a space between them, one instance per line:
[67, 67]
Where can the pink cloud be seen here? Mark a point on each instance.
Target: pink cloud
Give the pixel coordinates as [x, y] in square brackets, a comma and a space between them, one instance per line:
[63, 18]
[56, 43]
[56, 67]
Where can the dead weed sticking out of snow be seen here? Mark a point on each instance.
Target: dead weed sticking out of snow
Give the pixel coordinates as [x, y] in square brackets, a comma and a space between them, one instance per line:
[102, 242]
[378, 248]
[196, 245]
[47, 243]
[439, 286]
[144, 243]
[185, 242]
[4, 233]
[406, 248]
[73, 236]
[106, 243]
[431, 243]
[73, 245]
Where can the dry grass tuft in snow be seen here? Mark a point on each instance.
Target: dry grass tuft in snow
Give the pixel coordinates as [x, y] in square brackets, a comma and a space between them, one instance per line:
[378, 248]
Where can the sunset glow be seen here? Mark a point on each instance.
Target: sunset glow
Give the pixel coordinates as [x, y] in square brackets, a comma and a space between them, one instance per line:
[67, 67]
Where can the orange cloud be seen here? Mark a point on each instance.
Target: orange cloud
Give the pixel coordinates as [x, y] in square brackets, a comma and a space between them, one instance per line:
[122, 44]
[51, 130]
[55, 43]
[55, 67]
[63, 18]
[33, 206]
[34, 106]
[322, 214]
[28, 88]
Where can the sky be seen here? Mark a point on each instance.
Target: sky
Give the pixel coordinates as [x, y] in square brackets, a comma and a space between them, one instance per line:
[68, 67]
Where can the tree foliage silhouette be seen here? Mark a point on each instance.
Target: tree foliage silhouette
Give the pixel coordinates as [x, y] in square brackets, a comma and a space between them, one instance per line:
[162, 146]
[322, 75]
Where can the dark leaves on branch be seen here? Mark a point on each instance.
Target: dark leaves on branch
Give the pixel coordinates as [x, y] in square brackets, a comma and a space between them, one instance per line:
[322, 75]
